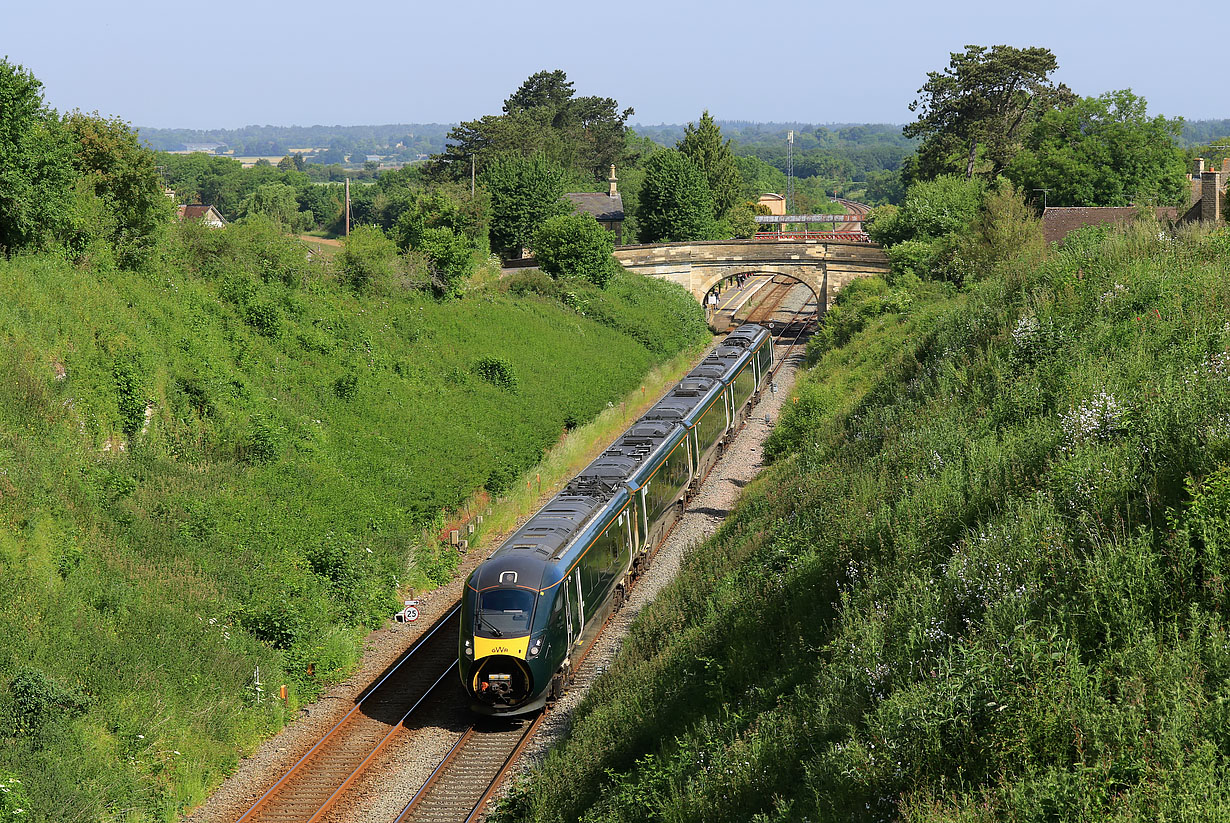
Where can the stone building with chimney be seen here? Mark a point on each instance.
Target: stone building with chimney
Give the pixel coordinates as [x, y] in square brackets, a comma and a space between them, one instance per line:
[1207, 205]
[607, 209]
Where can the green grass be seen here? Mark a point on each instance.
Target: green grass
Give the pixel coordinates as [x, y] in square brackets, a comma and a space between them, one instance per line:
[992, 560]
[230, 462]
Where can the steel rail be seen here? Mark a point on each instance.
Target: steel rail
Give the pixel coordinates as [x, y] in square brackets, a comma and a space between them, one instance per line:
[262, 805]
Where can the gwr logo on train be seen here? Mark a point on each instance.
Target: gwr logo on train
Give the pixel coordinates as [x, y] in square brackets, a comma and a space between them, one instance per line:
[545, 592]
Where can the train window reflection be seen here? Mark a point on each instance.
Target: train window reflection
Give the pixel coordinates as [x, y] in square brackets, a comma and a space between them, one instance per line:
[504, 612]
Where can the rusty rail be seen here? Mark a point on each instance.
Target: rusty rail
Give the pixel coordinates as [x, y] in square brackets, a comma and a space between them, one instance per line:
[321, 776]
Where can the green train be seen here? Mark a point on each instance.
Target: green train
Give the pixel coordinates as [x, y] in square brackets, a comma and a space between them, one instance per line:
[542, 596]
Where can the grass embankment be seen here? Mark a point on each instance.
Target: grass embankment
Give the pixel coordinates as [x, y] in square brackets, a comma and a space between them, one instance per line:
[992, 559]
[231, 464]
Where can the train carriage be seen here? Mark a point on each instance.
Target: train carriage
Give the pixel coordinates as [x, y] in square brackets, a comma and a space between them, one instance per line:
[543, 594]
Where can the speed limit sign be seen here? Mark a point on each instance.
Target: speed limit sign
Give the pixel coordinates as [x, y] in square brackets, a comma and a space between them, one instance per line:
[411, 612]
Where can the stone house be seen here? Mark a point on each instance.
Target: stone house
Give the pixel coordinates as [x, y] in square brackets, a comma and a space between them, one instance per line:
[607, 209]
[775, 203]
[205, 214]
[1207, 205]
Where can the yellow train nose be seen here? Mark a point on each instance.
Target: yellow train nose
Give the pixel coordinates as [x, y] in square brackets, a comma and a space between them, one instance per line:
[511, 646]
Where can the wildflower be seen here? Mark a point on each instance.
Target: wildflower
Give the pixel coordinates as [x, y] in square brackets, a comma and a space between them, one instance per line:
[1115, 291]
[1025, 331]
[1098, 418]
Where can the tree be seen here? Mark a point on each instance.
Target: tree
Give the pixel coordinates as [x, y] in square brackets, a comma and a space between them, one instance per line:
[741, 220]
[550, 89]
[925, 235]
[36, 164]
[1104, 151]
[583, 135]
[277, 201]
[525, 193]
[575, 244]
[978, 107]
[123, 174]
[675, 203]
[702, 144]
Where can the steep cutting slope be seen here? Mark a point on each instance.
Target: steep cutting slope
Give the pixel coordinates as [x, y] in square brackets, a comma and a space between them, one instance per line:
[227, 464]
[985, 580]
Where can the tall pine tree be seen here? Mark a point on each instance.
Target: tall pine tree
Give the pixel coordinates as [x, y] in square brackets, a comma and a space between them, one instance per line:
[702, 144]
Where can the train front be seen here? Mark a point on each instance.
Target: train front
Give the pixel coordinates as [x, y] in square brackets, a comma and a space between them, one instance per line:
[503, 660]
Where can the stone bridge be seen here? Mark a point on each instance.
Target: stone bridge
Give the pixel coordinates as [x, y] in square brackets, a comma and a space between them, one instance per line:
[824, 266]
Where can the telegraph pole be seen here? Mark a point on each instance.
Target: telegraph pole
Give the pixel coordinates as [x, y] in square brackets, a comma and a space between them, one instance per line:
[347, 206]
[471, 175]
[790, 171]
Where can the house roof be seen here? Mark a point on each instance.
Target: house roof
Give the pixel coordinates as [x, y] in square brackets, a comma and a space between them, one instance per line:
[199, 213]
[1059, 221]
[601, 206]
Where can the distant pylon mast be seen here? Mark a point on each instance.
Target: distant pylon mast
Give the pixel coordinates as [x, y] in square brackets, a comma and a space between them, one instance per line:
[790, 171]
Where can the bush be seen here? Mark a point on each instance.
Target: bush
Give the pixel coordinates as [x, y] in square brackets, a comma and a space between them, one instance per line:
[574, 244]
[369, 261]
[450, 258]
[496, 371]
[39, 700]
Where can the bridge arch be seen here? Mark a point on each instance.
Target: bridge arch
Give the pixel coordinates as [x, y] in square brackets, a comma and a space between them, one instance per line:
[816, 288]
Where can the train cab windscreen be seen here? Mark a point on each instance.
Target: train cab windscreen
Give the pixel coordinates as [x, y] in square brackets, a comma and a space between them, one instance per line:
[504, 612]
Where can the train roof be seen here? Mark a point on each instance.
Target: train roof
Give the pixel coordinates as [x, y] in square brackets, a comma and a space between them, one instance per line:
[689, 394]
[592, 498]
[655, 442]
[746, 336]
[533, 550]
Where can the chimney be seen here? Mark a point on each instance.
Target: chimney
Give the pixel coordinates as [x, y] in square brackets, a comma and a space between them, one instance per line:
[1210, 197]
[612, 180]
[1198, 167]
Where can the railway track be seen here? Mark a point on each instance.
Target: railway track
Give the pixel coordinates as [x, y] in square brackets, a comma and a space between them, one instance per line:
[460, 786]
[852, 206]
[771, 301]
[316, 782]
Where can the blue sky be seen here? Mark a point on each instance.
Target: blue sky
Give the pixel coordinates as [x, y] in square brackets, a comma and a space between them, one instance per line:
[224, 64]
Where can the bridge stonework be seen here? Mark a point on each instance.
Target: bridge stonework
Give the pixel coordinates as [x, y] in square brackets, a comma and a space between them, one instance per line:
[825, 266]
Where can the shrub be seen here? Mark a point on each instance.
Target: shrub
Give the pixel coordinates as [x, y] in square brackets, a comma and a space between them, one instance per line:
[130, 392]
[574, 244]
[450, 258]
[496, 371]
[346, 386]
[277, 622]
[369, 260]
[264, 316]
[38, 700]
